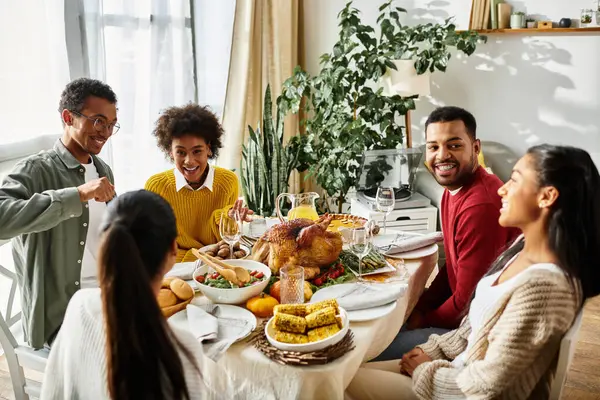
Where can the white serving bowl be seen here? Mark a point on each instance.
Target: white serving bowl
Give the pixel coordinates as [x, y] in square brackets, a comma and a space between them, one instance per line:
[311, 346]
[233, 296]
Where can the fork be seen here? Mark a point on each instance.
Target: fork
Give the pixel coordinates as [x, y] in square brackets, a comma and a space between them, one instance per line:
[386, 248]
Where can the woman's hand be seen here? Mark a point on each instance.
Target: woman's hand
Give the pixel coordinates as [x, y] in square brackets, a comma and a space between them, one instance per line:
[244, 212]
[411, 360]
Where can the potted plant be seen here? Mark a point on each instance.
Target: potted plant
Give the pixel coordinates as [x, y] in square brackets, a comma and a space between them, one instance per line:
[530, 23]
[517, 20]
[346, 110]
[267, 162]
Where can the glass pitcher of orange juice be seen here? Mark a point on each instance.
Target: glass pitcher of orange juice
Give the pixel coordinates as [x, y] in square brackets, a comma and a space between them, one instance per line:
[303, 206]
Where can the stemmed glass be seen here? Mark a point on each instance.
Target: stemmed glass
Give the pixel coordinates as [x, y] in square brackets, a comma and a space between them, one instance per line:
[230, 229]
[385, 202]
[360, 245]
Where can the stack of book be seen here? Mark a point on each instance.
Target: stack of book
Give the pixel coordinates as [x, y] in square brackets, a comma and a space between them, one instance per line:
[487, 14]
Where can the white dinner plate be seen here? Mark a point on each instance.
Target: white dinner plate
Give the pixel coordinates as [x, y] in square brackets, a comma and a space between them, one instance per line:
[180, 321]
[384, 240]
[368, 314]
[417, 253]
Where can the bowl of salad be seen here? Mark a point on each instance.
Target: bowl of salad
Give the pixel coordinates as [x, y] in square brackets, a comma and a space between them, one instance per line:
[219, 290]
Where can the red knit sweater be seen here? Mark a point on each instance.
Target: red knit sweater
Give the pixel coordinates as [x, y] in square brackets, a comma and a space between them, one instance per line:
[473, 239]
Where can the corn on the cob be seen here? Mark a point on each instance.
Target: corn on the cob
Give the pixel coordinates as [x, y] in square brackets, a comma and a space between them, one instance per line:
[287, 337]
[311, 308]
[322, 317]
[323, 332]
[289, 323]
[292, 309]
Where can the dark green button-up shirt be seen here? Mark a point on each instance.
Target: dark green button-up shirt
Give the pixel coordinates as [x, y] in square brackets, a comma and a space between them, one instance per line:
[41, 211]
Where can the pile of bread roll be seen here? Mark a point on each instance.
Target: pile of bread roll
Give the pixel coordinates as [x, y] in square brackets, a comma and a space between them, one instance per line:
[175, 294]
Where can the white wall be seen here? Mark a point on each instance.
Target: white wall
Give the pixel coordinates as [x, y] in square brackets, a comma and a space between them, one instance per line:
[522, 89]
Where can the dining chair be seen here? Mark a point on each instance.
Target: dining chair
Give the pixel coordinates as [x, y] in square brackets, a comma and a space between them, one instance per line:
[565, 356]
[18, 355]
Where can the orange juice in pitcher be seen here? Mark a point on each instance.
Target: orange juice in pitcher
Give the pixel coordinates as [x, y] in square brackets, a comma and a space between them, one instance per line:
[303, 206]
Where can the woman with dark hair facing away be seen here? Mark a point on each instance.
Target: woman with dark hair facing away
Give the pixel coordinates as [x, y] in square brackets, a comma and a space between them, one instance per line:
[507, 345]
[198, 192]
[114, 342]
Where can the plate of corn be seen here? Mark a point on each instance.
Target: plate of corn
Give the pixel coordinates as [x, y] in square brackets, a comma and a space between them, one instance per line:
[307, 327]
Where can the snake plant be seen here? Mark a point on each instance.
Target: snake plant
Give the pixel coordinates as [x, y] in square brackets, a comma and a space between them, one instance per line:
[266, 162]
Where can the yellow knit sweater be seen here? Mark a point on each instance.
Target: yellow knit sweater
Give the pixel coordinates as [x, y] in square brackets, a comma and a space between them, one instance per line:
[198, 212]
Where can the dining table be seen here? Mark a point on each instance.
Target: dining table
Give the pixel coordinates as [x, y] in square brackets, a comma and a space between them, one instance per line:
[262, 378]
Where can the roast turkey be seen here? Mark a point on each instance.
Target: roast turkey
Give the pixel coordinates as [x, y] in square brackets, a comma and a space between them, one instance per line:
[300, 242]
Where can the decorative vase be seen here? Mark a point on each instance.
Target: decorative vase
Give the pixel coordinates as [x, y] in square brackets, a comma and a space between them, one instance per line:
[564, 23]
[530, 24]
[517, 21]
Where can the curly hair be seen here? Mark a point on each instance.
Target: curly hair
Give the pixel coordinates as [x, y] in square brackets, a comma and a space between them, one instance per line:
[76, 92]
[191, 119]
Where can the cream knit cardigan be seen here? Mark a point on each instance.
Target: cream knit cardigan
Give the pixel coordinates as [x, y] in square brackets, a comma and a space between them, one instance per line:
[515, 352]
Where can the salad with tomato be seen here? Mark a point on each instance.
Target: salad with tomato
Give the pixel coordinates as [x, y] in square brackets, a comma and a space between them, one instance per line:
[214, 279]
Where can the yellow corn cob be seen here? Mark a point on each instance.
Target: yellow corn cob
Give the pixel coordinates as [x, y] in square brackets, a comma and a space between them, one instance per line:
[290, 323]
[287, 337]
[322, 317]
[311, 308]
[323, 332]
[292, 309]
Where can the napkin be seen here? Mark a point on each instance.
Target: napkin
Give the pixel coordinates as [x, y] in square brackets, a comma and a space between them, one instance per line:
[360, 297]
[216, 332]
[182, 270]
[416, 242]
[202, 325]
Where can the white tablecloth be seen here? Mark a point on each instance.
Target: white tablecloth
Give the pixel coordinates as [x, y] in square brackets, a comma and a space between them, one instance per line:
[265, 379]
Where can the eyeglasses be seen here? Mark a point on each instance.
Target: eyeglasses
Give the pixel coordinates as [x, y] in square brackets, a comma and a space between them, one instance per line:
[100, 124]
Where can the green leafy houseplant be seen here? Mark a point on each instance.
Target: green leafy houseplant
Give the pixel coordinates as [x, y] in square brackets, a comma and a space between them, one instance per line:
[266, 162]
[346, 112]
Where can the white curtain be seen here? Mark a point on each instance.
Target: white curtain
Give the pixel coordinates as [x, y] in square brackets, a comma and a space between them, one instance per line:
[34, 68]
[143, 50]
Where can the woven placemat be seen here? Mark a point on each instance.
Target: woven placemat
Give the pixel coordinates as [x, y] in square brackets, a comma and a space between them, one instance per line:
[320, 357]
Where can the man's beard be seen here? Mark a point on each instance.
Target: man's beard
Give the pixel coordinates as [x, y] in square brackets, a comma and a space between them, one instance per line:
[463, 176]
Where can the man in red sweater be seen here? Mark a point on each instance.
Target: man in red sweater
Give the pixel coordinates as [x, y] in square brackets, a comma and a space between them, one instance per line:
[472, 236]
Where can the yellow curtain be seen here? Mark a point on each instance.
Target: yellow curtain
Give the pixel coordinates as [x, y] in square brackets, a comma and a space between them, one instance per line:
[264, 51]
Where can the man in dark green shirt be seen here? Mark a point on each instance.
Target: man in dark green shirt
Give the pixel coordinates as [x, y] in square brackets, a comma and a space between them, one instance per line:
[46, 207]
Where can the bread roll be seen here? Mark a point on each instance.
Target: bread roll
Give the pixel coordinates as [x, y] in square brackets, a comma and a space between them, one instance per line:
[166, 298]
[181, 289]
[166, 283]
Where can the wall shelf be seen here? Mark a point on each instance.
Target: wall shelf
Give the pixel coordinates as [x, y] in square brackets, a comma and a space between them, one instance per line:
[536, 31]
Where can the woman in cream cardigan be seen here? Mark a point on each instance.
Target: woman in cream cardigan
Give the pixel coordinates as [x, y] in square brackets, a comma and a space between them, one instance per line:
[506, 347]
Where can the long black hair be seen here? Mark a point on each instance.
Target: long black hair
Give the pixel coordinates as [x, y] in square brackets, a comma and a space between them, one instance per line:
[574, 222]
[142, 361]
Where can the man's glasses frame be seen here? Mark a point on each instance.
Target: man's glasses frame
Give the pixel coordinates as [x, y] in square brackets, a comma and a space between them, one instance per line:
[100, 124]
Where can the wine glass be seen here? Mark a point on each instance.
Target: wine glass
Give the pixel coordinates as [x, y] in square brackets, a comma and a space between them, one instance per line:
[385, 202]
[230, 229]
[360, 245]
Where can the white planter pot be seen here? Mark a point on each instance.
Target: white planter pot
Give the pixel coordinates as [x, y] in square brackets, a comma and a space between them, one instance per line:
[517, 21]
[530, 25]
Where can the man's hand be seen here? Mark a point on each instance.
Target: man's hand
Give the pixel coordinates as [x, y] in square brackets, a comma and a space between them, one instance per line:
[411, 360]
[415, 321]
[244, 212]
[100, 190]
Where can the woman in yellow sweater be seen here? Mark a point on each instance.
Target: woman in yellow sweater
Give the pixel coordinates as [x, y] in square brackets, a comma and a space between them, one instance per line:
[198, 192]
